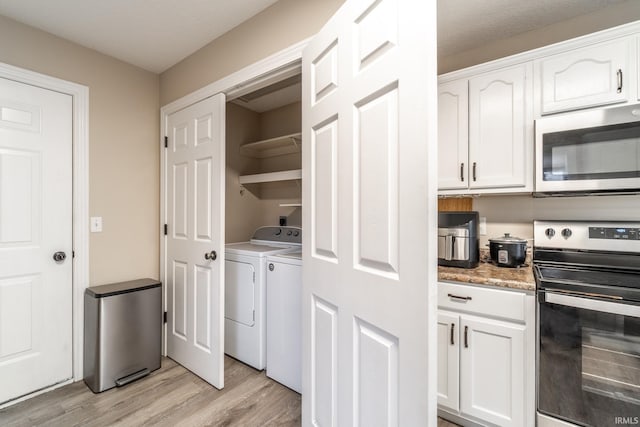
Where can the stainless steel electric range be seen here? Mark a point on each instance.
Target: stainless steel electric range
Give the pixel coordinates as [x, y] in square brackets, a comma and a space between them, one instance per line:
[588, 292]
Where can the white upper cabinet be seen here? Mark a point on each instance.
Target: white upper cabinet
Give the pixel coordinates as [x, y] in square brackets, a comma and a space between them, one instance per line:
[453, 135]
[599, 74]
[501, 129]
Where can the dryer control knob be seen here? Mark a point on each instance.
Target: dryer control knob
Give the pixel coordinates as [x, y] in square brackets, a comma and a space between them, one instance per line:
[566, 233]
[289, 233]
[549, 232]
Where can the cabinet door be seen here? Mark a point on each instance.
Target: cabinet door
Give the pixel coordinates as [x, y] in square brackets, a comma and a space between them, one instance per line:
[448, 359]
[498, 130]
[492, 371]
[595, 75]
[453, 135]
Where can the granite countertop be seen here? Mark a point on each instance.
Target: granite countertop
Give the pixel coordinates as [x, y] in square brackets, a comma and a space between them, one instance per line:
[489, 274]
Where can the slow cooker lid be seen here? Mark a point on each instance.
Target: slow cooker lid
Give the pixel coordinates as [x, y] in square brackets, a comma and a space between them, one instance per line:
[507, 238]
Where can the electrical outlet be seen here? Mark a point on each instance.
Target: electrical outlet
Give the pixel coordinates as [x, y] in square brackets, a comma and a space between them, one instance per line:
[96, 224]
[483, 226]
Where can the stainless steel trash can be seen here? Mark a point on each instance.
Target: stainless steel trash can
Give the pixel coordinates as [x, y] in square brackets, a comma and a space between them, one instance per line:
[122, 332]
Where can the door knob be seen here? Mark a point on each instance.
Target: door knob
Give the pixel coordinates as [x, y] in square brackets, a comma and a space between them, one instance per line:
[59, 256]
[211, 256]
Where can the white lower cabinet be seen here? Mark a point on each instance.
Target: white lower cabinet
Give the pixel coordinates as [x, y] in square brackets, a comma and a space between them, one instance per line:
[486, 364]
[448, 360]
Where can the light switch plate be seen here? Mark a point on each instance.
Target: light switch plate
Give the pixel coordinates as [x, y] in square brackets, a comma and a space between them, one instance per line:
[483, 226]
[96, 224]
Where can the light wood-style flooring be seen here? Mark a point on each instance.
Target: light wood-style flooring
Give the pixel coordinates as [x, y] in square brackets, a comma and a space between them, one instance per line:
[170, 396]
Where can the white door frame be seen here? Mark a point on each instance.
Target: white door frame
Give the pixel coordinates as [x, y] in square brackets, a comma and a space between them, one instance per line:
[258, 74]
[80, 95]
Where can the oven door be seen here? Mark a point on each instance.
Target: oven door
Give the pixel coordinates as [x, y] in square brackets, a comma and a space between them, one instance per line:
[588, 359]
[589, 151]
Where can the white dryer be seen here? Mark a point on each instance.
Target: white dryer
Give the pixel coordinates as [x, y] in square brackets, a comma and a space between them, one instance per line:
[284, 319]
[245, 291]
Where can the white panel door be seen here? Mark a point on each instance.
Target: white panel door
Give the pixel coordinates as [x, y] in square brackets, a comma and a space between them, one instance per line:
[448, 359]
[453, 135]
[498, 117]
[492, 371]
[35, 222]
[195, 239]
[369, 189]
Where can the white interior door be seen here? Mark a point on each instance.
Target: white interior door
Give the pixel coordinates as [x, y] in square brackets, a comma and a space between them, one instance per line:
[35, 222]
[369, 113]
[195, 168]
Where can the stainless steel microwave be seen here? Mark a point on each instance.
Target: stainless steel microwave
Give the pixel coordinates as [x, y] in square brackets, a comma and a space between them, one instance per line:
[589, 151]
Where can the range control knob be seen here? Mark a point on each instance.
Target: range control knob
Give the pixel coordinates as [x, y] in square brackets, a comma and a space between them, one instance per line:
[549, 232]
[566, 233]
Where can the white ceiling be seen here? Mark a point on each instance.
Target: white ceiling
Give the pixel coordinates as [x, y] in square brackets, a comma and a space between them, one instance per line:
[156, 34]
[152, 34]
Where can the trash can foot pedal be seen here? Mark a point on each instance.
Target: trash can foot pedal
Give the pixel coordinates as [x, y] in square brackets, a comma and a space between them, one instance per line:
[132, 377]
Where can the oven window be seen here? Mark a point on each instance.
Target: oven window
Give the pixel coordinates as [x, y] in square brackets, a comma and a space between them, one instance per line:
[604, 152]
[588, 365]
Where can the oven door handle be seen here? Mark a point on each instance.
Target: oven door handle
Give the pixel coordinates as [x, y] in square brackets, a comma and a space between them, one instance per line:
[592, 304]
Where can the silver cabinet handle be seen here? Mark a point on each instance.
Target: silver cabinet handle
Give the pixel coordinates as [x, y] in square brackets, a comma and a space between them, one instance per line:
[462, 172]
[453, 325]
[466, 337]
[619, 75]
[459, 297]
[211, 255]
[475, 166]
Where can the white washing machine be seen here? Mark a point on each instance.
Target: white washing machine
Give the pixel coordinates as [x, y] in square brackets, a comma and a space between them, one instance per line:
[284, 319]
[245, 294]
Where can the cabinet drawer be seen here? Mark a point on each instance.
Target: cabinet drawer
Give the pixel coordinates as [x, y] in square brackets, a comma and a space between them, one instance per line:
[483, 301]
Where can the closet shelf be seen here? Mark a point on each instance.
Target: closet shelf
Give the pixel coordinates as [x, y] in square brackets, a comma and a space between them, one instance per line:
[279, 146]
[271, 177]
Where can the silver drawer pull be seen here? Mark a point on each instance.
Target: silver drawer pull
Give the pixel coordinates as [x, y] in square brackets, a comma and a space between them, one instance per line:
[459, 297]
[619, 76]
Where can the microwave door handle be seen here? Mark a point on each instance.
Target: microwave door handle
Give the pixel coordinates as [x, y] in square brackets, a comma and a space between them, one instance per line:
[595, 305]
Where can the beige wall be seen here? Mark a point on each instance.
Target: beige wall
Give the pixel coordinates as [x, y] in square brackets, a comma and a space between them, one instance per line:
[285, 23]
[252, 206]
[515, 214]
[609, 17]
[242, 208]
[123, 145]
